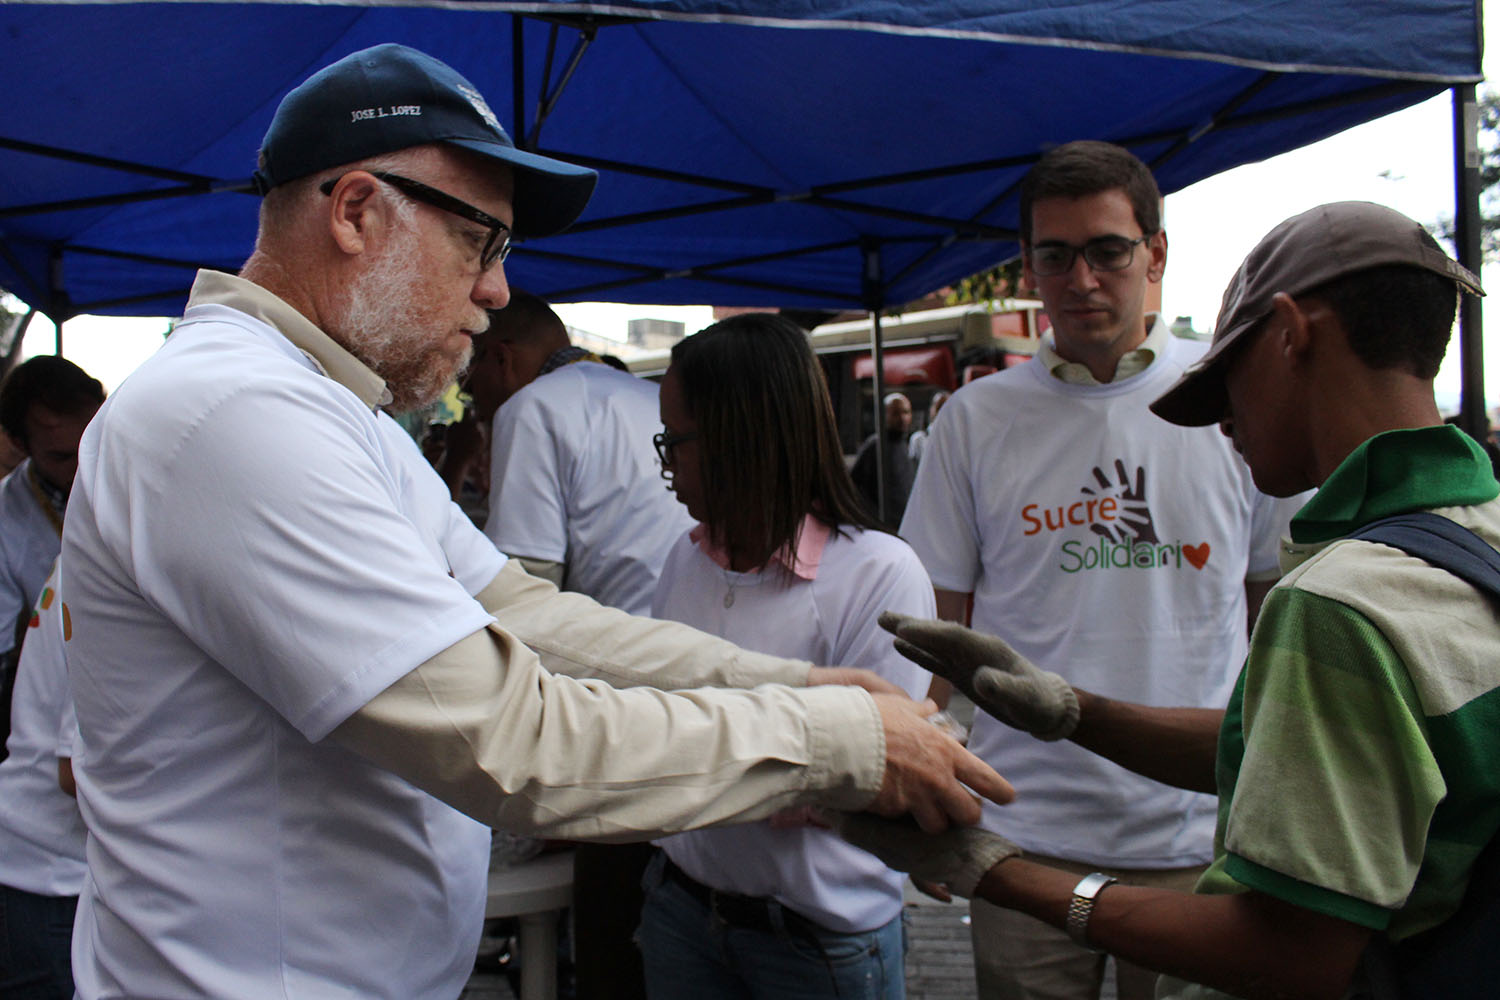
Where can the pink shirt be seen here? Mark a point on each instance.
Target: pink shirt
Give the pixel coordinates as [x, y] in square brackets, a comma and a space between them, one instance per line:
[803, 562]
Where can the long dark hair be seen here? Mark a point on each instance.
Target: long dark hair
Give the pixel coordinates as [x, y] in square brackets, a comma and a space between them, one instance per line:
[768, 444]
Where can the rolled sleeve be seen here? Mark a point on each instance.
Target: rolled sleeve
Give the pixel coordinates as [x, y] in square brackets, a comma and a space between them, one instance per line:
[578, 637]
[485, 728]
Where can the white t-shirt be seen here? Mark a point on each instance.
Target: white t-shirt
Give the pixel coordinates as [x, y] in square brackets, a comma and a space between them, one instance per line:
[28, 548]
[1026, 490]
[252, 553]
[41, 831]
[575, 479]
[829, 619]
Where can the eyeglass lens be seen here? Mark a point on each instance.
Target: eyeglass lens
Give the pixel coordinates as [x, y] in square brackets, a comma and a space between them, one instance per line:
[1107, 253]
[667, 442]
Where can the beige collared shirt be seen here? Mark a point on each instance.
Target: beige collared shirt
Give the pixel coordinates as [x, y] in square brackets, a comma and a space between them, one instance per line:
[327, 356]
[1132, 362]
[569, 719]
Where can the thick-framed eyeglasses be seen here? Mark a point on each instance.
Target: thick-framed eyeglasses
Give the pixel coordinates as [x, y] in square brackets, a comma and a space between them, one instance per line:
[1105, 253]
[666, 444]
[496, 243]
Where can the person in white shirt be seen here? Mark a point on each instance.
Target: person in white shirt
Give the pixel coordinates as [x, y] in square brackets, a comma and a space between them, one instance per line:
[785, 559]
[41, 831]
[918, 439]
[305, 683]
[1127, 553]
[45, 403]
[576, 497]
[575, 488]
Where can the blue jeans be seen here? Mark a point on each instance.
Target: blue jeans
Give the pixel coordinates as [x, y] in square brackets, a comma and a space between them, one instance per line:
[36, 936]
[690, 954]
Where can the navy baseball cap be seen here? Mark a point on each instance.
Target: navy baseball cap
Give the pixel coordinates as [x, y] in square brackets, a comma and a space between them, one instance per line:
[391, 97]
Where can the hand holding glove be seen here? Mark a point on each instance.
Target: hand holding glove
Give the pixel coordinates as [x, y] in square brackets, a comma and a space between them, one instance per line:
[995, 677]
[958, 857]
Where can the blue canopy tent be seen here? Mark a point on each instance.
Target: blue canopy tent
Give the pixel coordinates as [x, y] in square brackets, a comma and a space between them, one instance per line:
[800, 153]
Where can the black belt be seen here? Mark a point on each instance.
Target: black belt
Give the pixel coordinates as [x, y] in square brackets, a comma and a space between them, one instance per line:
[747, 912]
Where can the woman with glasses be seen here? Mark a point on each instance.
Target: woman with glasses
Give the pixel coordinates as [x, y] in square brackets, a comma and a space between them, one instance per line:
[784, 560]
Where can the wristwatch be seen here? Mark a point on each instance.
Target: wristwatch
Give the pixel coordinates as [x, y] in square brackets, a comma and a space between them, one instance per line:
[1082, 906]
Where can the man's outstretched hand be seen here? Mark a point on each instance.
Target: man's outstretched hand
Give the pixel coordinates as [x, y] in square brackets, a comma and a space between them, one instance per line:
[854, 677]
[957, 858]
[995, 677]
[927, 772]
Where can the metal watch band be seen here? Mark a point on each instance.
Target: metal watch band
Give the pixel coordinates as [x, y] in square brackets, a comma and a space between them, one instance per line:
[1082, 906]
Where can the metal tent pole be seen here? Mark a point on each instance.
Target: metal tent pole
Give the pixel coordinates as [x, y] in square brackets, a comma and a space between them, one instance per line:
[13, 351]
[1467, 235]
[874, 294]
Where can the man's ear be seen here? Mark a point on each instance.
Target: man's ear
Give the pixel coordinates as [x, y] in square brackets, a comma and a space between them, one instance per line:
[1292, 324]
[503, 353]
[355, 214]
[1028, 280]
[1156, 245]
[16, 443]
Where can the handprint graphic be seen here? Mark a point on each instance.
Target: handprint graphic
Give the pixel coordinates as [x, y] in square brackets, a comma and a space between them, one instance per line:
[1135, 514]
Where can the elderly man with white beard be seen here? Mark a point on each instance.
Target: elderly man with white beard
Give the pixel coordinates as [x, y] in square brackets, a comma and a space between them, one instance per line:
[305, 683]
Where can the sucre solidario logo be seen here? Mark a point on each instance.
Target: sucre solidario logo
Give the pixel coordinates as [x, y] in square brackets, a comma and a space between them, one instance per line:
[1117, 514]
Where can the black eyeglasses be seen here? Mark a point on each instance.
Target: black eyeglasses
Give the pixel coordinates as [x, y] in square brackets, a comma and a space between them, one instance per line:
[1106, 253]
[496, 243]
[667, 442]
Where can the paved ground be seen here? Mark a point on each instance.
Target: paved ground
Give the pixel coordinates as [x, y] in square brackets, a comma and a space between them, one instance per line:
[940, 961]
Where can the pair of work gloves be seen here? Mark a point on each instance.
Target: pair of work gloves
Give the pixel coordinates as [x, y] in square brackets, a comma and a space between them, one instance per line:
[1003, 683]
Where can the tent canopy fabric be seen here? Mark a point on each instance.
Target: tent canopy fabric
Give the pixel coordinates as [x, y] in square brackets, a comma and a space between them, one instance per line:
[803, 153]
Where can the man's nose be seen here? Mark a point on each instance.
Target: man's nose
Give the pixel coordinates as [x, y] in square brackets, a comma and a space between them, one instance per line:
[1081, 275]
[491, 290]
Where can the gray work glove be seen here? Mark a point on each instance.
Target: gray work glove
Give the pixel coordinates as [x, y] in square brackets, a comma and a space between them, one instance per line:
[995, 677]
[958, 857]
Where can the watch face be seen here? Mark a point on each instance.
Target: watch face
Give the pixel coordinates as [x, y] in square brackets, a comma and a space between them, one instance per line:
[1081, 907]
[1089, 887]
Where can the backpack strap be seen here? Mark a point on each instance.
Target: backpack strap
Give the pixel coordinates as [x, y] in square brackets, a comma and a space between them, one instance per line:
[1442, 542]
[1457, 958]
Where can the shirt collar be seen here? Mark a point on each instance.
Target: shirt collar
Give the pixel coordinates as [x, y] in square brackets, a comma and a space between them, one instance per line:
[332, 360]
[1393, 473]
[811, 539]
[54, 495]
[566, 356]
[1133, 362]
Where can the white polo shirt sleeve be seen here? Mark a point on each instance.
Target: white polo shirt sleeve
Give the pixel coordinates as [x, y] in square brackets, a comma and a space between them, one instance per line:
[940, 519]
[322, 591]
[528, 512]
[471, 559]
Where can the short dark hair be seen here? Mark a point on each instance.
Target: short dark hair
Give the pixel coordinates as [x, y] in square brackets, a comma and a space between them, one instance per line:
[1085, 167]
[1395, 316]
[527, 318]
[768, 442]
[45, 380]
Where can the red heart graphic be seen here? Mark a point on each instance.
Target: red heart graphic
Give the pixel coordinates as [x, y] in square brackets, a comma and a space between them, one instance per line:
[1196, 554]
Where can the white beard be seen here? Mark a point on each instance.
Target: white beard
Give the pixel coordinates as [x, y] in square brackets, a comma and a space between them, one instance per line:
[382, 325]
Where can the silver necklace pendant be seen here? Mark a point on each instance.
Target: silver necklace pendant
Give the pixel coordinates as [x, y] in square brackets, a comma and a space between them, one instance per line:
[729, 598]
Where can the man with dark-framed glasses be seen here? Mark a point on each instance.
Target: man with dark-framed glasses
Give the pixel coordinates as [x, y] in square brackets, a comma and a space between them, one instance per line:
[1096, 539]
[306, 685]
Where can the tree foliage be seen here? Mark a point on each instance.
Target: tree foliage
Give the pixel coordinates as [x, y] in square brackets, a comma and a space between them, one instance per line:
[1489, 178]
[998, 283]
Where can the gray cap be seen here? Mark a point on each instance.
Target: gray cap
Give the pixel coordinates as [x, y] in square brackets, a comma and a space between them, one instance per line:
[391, 97]
[1297, 256]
